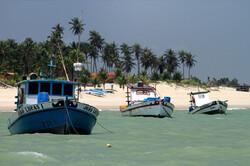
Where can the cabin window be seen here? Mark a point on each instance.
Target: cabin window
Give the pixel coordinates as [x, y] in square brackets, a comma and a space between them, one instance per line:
[201, 96]
[68, 90]
[45, 87]
[33, 88]
[142, 92]
[57, 89]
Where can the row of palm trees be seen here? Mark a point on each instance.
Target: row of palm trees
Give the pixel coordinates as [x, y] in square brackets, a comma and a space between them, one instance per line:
[97, 54]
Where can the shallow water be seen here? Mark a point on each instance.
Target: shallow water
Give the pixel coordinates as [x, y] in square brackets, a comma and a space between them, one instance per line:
[183, 140]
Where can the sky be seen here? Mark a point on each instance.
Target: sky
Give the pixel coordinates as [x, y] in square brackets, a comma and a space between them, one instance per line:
[217, 32]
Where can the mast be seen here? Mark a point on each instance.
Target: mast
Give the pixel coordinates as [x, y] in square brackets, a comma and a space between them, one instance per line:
[77, 68]
[128, 96]
[51, 66]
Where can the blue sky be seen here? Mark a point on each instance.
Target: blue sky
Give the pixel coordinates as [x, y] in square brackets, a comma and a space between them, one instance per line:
[217, 32]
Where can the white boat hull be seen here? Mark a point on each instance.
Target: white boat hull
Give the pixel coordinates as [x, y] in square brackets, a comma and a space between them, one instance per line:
[214, 107]
[150, 108]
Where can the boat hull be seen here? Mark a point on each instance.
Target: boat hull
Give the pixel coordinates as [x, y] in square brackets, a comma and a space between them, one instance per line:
[71, 119]
[149, 109]
[214, 107]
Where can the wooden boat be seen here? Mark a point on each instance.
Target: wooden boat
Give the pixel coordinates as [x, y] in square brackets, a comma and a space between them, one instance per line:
[200, 103]
[50, 106]
[143, 101]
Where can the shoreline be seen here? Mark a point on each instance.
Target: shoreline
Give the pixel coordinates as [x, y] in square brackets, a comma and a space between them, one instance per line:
[105, 109]
[112, 101]
[112, 108]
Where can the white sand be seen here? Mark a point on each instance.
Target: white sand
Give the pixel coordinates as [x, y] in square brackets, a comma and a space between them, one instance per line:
[179, 97]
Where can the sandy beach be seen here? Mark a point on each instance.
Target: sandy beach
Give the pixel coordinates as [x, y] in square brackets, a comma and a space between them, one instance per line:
[179, 97]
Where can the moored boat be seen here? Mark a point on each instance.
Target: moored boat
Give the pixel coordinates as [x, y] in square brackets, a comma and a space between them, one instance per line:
[200, 103]
[51, 106]
[143, 101]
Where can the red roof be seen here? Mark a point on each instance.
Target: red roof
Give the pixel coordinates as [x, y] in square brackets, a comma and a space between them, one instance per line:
[111, 75]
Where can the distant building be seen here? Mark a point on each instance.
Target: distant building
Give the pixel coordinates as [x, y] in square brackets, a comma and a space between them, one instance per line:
[7, 75]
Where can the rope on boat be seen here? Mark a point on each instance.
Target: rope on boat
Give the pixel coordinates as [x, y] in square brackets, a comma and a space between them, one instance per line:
[104, 127]
[71, 124]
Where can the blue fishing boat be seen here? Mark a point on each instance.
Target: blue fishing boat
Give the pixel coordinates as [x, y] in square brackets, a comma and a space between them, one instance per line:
[51, 106]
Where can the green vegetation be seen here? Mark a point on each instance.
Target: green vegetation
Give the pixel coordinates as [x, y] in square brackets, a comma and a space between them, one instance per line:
[130, 63]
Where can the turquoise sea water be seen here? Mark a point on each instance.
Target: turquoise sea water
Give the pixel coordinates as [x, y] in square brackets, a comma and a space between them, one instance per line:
[183, 140]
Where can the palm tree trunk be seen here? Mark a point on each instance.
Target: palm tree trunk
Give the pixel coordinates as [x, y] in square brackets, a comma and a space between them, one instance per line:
[138, 66]
[91, 64]
[183, 74]
[78, 48]
[87, 63]
[95, 65]
[64, 68]
[189, 72]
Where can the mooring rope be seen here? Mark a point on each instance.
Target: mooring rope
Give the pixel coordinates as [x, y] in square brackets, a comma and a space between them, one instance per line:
[104, 127]
[67, 111]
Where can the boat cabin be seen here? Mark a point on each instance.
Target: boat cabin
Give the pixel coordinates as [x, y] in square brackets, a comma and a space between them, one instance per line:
[139, 92]
[199, 98]
[29, 91]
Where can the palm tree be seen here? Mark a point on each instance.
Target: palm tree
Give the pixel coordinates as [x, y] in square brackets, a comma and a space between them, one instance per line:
[110, 55]
[42, 58]
[171, 61]
[11, 56]
[27, 48]
[182, 58]
[96, 41]
[106, 55]
[84, 78]
[103, 76]
[86, 49]
[138, 53]
[154, 63]
[190, 62]
[77, 29]
[3, 51]
[56, 41]
[127, 58]
[162, 64]
[115, 57]
[146, 58]
[95, 81]
[122, 81]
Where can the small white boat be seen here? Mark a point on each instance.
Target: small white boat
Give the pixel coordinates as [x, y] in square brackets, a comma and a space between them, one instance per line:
[143, 101]
[200, 103]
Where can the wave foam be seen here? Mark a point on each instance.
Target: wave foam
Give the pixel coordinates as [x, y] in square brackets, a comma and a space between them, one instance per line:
[33, 154]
